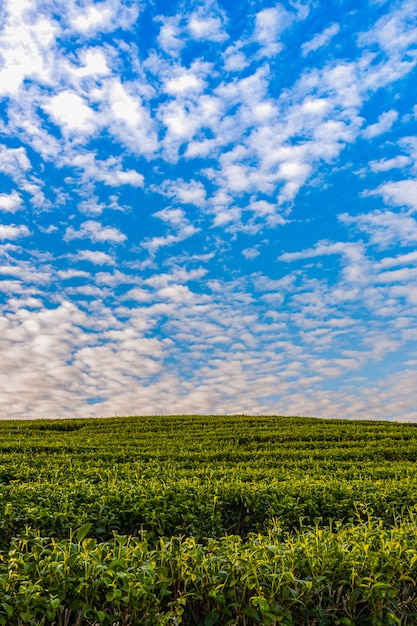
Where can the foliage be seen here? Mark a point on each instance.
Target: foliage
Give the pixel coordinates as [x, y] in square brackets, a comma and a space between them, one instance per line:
[208, 520]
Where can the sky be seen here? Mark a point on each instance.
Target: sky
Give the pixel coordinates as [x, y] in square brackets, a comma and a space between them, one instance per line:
[208, 207]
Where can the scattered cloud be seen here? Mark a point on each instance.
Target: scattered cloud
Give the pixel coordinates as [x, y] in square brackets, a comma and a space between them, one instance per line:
[269, 24]
[383, 125]
[178, 221]
[385, 228]
[191, 218]
[14, 162]
[71, 113]
[94, 256]
[205, 25]
[402, 259]
[384, 165]
[398, 193]
[183, 192]
[10, 202]
[169, 37]
[321, 39]
[96, 232]
[13, 232]
[250, 253]
[25, 47]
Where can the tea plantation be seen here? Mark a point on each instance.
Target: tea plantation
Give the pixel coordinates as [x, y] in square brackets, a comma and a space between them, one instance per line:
[205, 520]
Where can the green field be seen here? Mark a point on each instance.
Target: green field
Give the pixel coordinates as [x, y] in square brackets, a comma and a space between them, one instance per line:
[204, 520]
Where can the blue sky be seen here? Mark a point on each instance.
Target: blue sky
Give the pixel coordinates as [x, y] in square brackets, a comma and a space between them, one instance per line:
[208, 207]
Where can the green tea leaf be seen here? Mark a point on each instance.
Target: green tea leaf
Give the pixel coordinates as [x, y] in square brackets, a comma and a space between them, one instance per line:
[212, 618]
[83, 531]
[251, 612]
[7, 608]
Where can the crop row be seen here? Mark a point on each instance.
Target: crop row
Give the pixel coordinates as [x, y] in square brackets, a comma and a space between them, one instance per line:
[204, 520]
[351, 574]
[201, 475]
[194, 508]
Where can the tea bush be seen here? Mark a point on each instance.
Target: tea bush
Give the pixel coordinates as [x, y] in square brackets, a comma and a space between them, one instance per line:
[204, 520]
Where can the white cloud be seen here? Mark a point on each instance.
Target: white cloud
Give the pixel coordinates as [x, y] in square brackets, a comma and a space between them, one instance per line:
[26, 48]
[383, 125]
[169, 38]
[127, 117]
[325, 122]
[71, 112]
[176, 293]
[138, 294]
[315, 106]
[398, 193]
[190, 114]
[294, 173]
[343, 81]
[95, 64]
[234, 357]
[385, 228]
[183, 192]
[180, 125]
[401, 259]
[34, 188]
[269, 213]
[234, 59]
[395, 31]
[94, 256]
[230, 348]
[117, 177]
[384, 165]
[13, 232]
[404, 274]
[184, 83]
[25, 122]
[124, 107]
[10, 203]
[356, 268]
[93, 18]
[250, 253]
[262, 131]
[269, 24]
[72, 273]
[320, 40]
[264, 208]
[109, 171]
[101, 17]
[355, 401]
[96, 232]
[177, 219]
[207, 27]
[224, 216]
[14, 162]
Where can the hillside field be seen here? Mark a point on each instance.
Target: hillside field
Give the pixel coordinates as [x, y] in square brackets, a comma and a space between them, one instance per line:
[208, 520]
